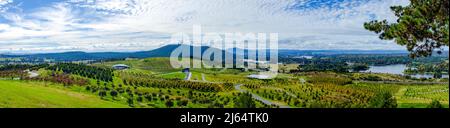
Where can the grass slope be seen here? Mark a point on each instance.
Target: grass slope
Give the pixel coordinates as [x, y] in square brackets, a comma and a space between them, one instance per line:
[150, 64]
[17, 94]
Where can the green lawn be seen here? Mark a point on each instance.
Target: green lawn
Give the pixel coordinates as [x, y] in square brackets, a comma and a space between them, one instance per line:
[160, 65]
[19, 94]
[173, 75]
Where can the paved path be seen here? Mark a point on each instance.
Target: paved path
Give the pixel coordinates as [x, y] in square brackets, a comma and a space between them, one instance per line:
[203, 77]
[188, 76]
[238, 87]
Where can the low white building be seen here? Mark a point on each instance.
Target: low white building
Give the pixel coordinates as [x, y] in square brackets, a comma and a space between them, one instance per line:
[120, 66]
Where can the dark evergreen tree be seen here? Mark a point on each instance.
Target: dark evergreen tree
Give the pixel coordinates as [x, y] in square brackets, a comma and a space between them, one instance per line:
[422, 26]
[245, 100]
[383, 100]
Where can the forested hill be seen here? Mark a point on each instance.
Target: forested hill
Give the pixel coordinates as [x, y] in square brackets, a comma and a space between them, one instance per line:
[164, 51]
[285, 52]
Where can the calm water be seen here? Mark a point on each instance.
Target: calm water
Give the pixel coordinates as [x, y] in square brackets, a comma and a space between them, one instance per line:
[397, 69]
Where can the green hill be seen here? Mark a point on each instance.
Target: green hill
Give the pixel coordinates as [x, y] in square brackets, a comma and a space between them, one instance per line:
[19, 94]
[151, 64]
[164, 51]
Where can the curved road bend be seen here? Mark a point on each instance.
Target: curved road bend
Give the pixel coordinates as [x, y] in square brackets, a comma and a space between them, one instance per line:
[188, 76]
[238, 87]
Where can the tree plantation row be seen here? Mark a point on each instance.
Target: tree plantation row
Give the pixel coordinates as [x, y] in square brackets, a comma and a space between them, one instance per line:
[141, 88]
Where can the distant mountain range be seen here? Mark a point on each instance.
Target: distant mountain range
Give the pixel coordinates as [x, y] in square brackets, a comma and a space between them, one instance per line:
[289, 52]
[165, 51]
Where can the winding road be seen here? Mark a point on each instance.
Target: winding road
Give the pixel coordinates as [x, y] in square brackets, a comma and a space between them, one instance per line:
[203, 77]
[188, 76]
[238, 87]
[257, 97]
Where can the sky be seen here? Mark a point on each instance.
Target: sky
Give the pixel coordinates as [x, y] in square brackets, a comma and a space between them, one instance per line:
[30, 26]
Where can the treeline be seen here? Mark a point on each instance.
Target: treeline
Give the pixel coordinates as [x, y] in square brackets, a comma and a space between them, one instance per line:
[12, 74]
[369, 59]
[437, 69]
[325, 66]
[146, 80]
[21, 67]
[162, 83]
[377, 60]
[10, 60]
[18, 70]
[103, 74]
[328, 64]
[64, 79]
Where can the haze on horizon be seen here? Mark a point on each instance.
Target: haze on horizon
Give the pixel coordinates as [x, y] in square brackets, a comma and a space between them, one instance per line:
[135, 25]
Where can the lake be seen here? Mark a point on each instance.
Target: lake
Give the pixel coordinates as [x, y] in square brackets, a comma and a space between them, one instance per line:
[397, 69]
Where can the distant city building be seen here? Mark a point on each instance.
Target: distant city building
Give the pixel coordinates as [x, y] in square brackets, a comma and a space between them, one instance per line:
[304, 57]
[120, 66]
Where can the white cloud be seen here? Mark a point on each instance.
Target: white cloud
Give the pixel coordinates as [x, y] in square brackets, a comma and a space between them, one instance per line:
[3, 4]
[4, 26]
[82, 23]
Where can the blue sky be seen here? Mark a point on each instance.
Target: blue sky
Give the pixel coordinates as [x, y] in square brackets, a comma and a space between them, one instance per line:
[132, 25]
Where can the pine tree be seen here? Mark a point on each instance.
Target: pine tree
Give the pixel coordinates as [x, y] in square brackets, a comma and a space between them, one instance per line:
[423, 26]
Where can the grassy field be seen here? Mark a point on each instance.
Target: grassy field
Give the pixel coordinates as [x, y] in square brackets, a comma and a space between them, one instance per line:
[161, 65]
[20, 94]
[173, 75]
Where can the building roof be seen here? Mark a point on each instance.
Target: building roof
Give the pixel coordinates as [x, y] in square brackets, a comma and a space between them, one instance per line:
[120, 65]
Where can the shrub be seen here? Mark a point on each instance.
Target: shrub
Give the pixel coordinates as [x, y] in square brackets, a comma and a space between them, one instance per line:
[245, 100]
[435, 104]
[383, 100]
